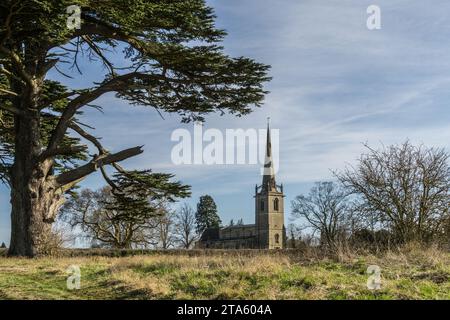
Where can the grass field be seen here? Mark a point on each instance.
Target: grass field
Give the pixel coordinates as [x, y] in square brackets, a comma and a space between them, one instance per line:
[406, 274]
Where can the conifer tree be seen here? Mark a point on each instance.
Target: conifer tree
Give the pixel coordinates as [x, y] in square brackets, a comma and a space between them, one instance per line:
[206, 215]
[170, 60]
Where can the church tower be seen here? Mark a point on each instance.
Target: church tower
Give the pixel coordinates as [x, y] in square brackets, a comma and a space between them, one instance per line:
[269, 206]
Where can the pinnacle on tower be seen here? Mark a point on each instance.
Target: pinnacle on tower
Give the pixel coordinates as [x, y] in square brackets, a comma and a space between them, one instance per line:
[268, 182]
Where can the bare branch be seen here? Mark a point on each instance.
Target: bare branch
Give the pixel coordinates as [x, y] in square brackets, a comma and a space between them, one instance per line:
[7, 92]
[88, 137]
[98, 51]
[81, 172]
[107, 179]
[82, 100]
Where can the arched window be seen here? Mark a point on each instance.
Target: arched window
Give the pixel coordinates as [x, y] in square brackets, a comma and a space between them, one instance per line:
[275, 204]
[262, 205]
[277, 238]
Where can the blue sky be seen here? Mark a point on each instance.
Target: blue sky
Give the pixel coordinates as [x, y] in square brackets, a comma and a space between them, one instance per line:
[335, 85]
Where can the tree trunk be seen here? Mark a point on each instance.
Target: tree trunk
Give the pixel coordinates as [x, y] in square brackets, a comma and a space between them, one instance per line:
[34, 208]
[34, 202]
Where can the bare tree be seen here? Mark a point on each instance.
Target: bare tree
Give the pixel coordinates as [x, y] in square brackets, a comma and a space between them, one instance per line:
[104, 224]
[403, 187]
[166, 228]
[294, 234]
[185, 226]
[324, 210]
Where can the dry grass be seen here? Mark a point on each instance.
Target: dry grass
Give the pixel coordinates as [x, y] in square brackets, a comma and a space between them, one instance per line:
[409, 273]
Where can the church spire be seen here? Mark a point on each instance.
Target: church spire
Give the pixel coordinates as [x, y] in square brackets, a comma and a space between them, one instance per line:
[268, 183]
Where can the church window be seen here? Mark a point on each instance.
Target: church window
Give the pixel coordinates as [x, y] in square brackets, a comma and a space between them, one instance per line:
[275, 204]
[277, 238]
[262, 205]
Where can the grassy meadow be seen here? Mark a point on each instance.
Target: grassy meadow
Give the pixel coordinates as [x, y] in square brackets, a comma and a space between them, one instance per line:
[406, 274]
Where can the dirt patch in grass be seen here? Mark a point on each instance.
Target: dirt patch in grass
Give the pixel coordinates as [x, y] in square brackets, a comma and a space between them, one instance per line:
[436, 277]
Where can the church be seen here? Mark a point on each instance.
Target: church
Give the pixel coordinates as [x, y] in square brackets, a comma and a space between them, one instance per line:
[268, 231]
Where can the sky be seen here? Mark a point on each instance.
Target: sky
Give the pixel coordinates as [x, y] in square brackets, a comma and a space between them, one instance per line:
[336, 85]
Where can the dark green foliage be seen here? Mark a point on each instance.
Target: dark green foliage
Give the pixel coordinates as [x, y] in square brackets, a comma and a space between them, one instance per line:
[175, 64]
[137, 193]
[206, 215]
